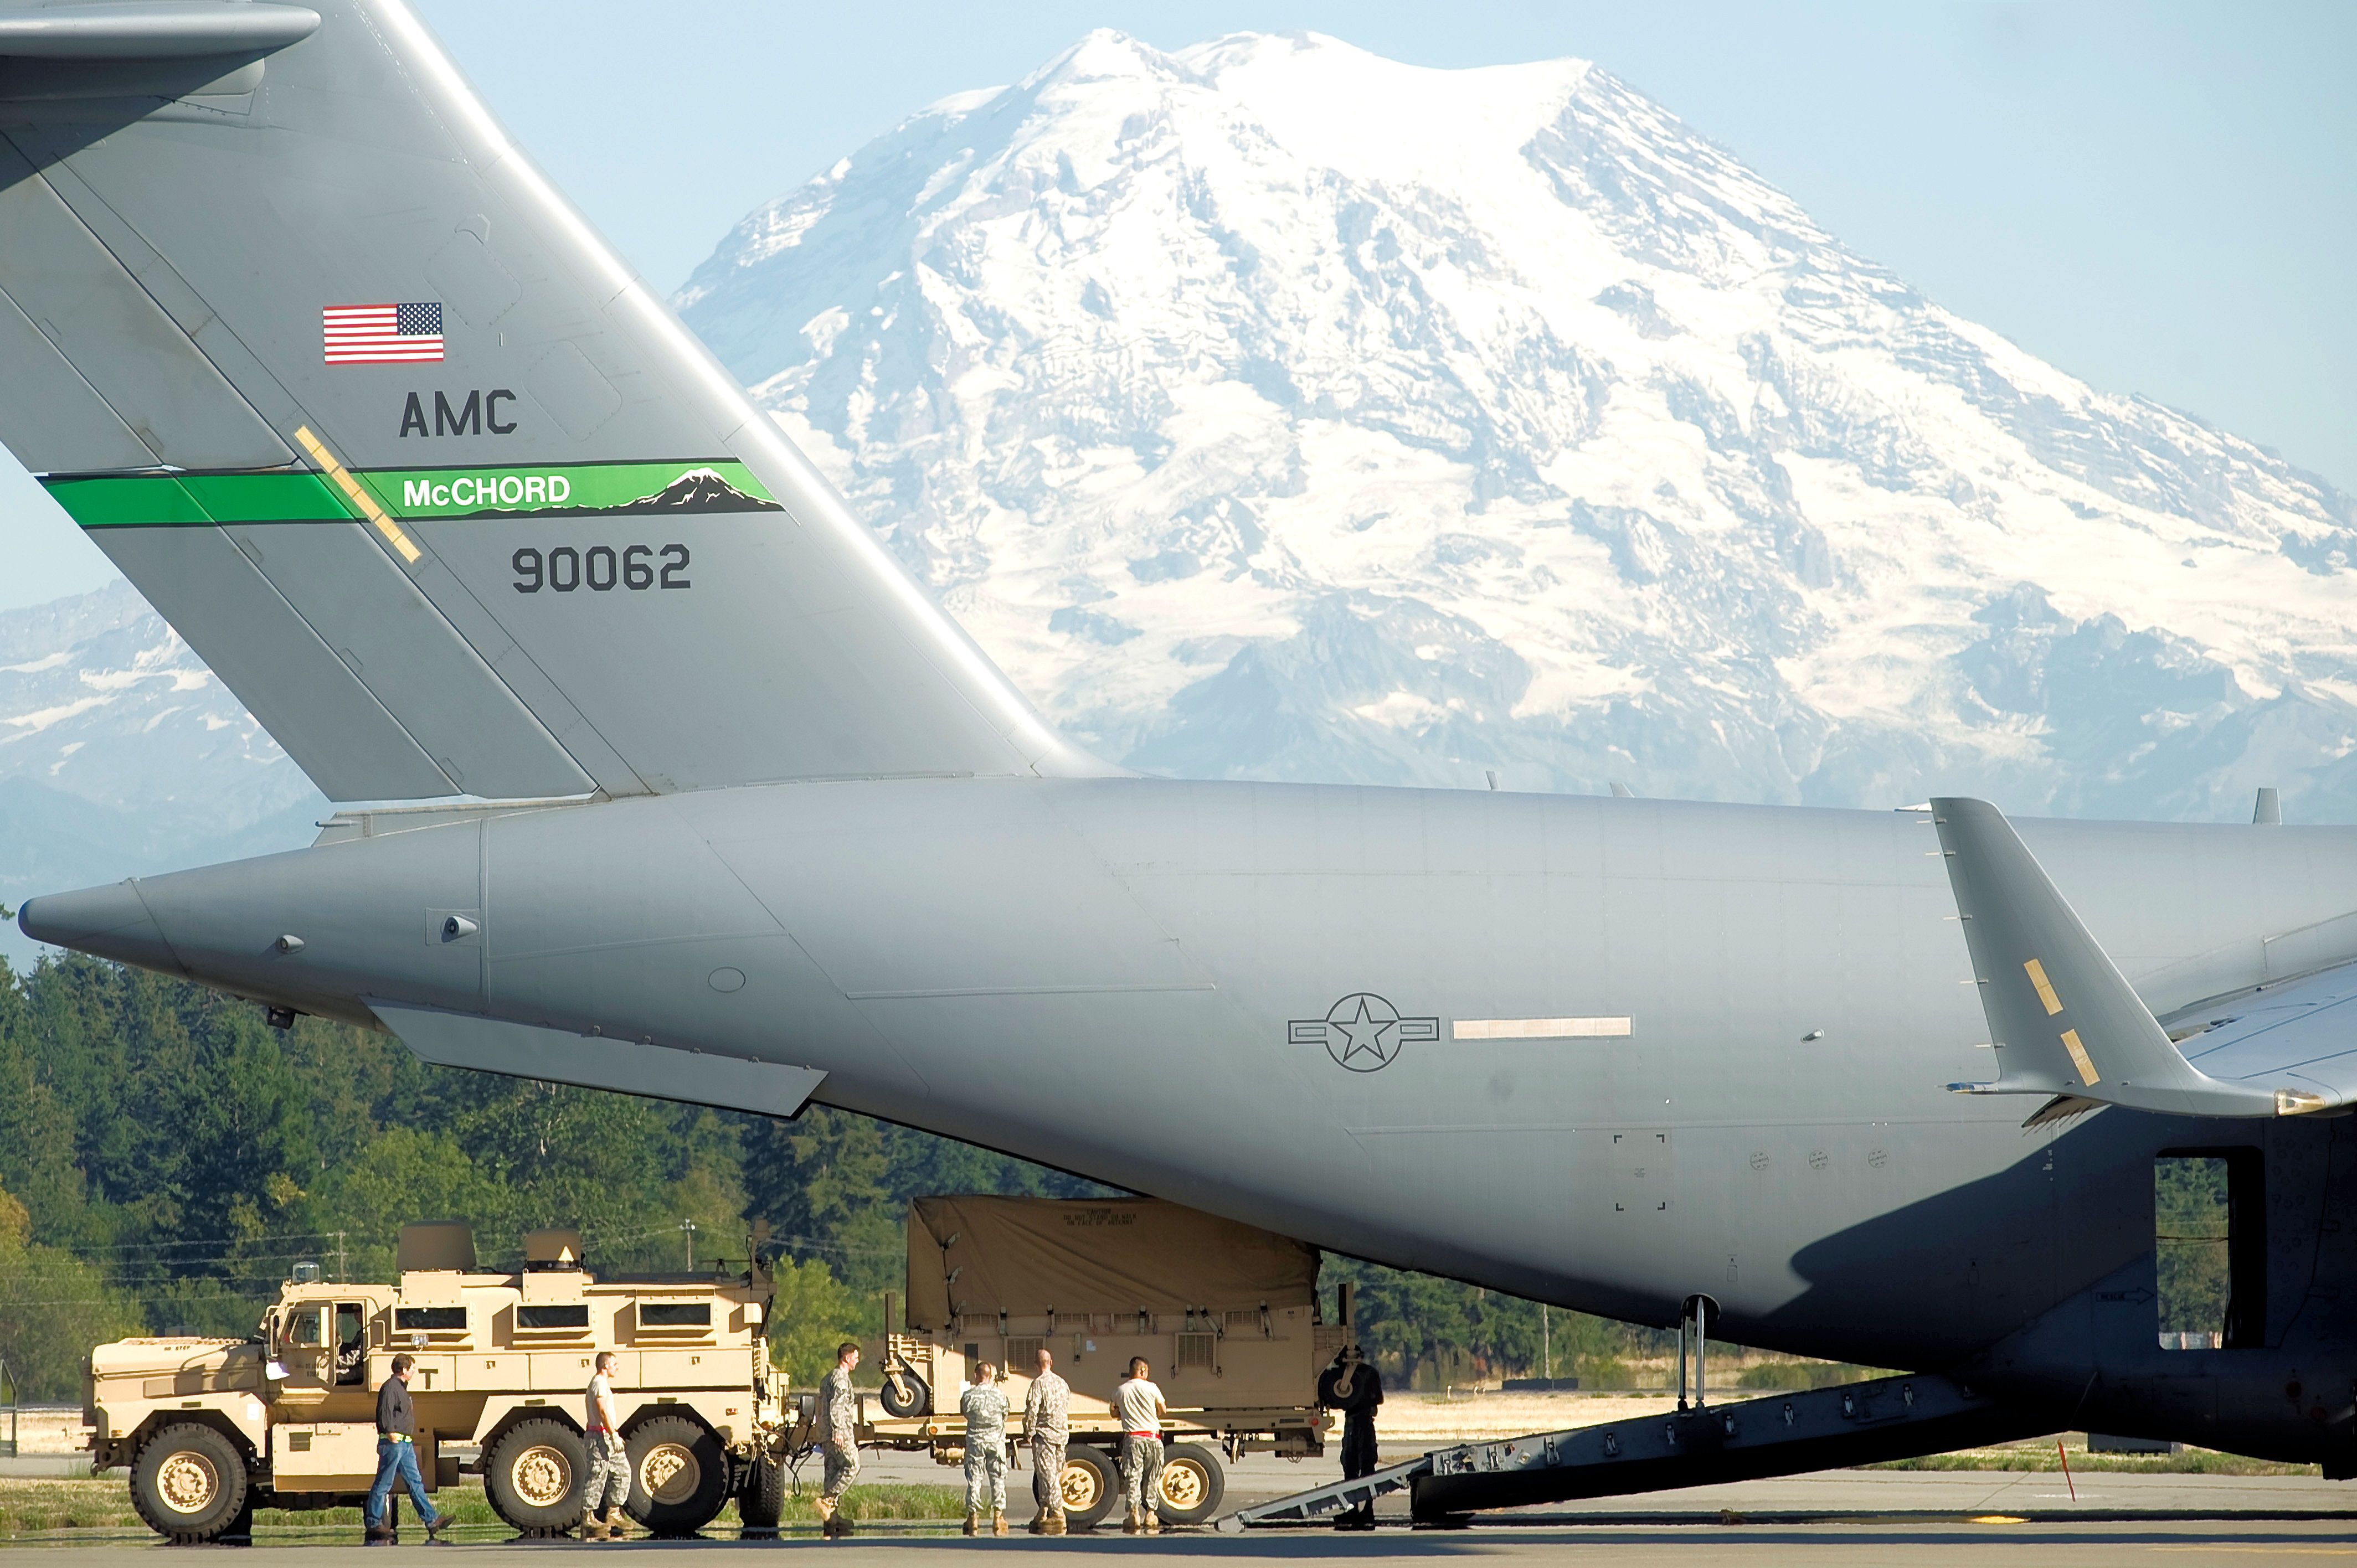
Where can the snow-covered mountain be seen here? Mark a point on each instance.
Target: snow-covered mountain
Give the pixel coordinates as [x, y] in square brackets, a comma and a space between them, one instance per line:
[120, 754]
[1274, 409]
[1270, 409]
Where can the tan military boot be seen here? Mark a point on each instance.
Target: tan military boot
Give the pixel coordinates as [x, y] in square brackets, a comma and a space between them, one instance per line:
[973, 1522]
[998, 1522]
[1053, 1524]
[1131, 1524]
[592, 1527]
[617, 1526]
[825, 1506]
[1153, 1521]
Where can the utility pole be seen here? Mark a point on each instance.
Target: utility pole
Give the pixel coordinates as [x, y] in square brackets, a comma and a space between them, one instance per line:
[1546, 1349]
[687, 1227]
[342, 1272]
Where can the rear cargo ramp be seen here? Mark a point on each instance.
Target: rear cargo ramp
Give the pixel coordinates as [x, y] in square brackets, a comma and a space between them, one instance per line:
[1782, 1434]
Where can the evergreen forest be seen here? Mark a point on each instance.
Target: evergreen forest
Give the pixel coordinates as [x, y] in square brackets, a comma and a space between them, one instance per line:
[165, 1158]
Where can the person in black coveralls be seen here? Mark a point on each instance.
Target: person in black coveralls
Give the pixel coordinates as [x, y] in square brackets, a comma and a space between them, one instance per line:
[1352, 1386]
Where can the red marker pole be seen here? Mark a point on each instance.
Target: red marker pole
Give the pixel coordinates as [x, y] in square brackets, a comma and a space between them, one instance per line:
[2067, 1481]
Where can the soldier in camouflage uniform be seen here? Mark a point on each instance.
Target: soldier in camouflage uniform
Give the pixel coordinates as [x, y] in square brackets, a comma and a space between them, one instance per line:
[838, 1425]
[984, 1409]
[1046, 1411]
[608, 1485]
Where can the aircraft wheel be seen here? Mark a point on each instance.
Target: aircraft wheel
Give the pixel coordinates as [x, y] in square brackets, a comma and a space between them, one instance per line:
[533, 1477]
[1193, 1483]
[679, 1475]
[1090, 1484]
[190, 1483]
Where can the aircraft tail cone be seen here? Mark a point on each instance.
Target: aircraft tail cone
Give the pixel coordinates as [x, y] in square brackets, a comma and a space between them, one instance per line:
[113, 921]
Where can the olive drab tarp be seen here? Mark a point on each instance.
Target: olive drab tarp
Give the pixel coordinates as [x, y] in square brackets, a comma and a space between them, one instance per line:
[1026, 1255]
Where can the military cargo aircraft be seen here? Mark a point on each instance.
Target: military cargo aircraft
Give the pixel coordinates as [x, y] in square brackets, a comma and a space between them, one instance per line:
[664, 778]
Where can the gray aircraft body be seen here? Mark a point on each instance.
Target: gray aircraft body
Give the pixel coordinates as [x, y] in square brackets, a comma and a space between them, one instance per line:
[674, 783]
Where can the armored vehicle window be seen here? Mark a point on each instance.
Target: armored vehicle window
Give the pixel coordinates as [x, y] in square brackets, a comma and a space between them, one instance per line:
[2210, 1249]
[444, 1318]
[574, 1316]
[674, 1315]
[304, 1325]
[351, 1342]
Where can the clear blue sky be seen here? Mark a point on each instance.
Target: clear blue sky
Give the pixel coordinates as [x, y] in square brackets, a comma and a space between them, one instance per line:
[2161, 199]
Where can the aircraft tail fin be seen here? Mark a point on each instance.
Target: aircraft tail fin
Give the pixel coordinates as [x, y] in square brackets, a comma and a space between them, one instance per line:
[433, 482]
[2064, 1018]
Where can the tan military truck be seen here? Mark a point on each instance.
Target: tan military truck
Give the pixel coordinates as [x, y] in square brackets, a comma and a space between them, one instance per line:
[212, 1428]
[1226, 1315]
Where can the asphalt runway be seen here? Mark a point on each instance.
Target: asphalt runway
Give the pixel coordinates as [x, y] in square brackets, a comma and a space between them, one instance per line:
[1838, 1518]
[1948, 1544]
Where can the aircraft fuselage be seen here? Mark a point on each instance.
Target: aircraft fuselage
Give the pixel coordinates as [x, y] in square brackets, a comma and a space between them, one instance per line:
[1255, 998]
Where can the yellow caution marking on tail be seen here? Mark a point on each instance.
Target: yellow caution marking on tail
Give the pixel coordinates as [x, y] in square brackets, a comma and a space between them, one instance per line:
[2079, 1058]
[2045, 987]
[362, 502]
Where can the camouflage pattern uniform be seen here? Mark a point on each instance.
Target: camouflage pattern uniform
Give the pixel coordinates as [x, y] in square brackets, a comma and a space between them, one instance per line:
[984, 1409]
[608, 1483]
[838, 1418]
[1046, 1410]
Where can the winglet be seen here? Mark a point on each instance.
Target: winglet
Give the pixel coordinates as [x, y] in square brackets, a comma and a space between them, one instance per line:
[2064, 1018]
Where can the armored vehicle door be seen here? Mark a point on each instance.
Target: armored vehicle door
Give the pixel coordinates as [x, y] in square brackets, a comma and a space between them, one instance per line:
[306, 1350]
[324, 1346]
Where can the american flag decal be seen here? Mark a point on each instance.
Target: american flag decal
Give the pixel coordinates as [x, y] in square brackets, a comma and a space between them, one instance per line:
[381, 334]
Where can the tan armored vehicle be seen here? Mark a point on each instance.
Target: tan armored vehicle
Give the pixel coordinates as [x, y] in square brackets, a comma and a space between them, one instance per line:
[212, 1428]
[1226, 1315]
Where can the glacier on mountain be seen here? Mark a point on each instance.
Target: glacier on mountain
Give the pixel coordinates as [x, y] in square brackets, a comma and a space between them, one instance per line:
[1271, 409]
[122, 755]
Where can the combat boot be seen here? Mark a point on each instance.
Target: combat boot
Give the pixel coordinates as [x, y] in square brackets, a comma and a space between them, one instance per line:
[1054, 1522]
[617, 1526]
[1131, 1524]
[973, 1522]
[825, 1506]
[592, 1527]
[1038, 1525]
[998, 1522]
[1154, 1521]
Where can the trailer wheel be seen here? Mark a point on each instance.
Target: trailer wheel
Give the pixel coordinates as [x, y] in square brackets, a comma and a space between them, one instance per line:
[1090, 1484]
[679, 1475]
[533, 1477]
[905, 1393]
[189, 1483]
[1193, 1482]
[763, 1502]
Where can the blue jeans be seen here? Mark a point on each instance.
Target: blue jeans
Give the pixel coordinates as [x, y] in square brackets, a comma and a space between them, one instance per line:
[397, 1461]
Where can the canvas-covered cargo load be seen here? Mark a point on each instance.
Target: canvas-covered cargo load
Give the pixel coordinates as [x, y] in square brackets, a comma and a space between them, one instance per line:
[1026, 1255]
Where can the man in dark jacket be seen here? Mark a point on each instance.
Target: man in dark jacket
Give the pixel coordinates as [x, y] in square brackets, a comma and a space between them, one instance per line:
[1352, 1386]
[396, 1455]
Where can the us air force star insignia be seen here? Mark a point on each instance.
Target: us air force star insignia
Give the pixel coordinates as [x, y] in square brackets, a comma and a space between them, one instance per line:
[1361, 1032]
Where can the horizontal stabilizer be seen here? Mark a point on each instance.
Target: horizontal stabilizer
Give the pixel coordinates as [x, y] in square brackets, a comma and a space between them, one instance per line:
[2064, 1018]
[628, 1067]
[153, 29]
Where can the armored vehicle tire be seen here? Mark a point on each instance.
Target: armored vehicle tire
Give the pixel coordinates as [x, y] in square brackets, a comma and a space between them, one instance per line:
[761, 1502]
[1091, 1485]
[905, 1393]
[679, 1475]
[534, 1475]
[190, 1483]
[1193, 1482]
